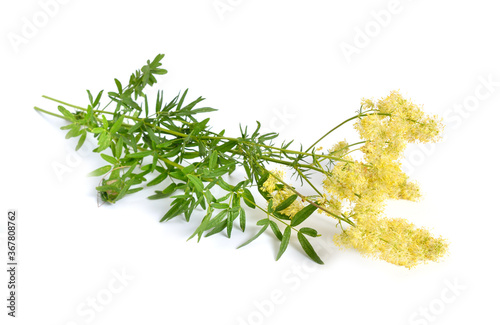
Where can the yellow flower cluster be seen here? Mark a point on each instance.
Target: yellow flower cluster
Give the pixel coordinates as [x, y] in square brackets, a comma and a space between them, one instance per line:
[359, 189]
[393, 240]
[339, 150]
[392, 123]
[281, 193]
[269, 185]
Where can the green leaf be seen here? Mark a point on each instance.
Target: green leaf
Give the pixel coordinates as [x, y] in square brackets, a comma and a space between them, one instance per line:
[67, 114]
[119, 147]
[97, 99]
[123, 191]
[91, 99]
[309, 231]
[156, 62]
[230, 219]
[165, 193]
[248, 198]
[109, 159]
[81, 140]
[202, 227]
[158, 195]
[171, 188]
[104, 188]
[116, 126]
[265, 224]
[146, 105]
[236, 202]
[270, 204]
[100, 171]
[268, 136]
[170, 105]
[88, 114]
[174, 152]
[166, 144]
[218, 218]
[67, 127]
[284, 241]
[118, 85]
[302, 215]
[105, 122]
[225, 186]
[191, 155]
[218, 172]
[74, 132]
[243, 219]
[192, 104]
[227, 146]
[306, 245]
[190, 209]
[177, 174]
[281, 216]
[136, 127]
[158, 179]
[240, 185]
[174, 211]
[203, 110]
[198, 184]
[104, 141]
[152, 135]
[179, 105]
[286, 203]
[276, 230]
[216, 205]
[212, 164]
[159, 101]
[188, 169]
[128, 173]
[256, 132]
[140, 154]
[217, 229]
[134, 190]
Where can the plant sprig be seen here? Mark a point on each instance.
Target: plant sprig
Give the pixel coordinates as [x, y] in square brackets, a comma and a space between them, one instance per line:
[171, 141]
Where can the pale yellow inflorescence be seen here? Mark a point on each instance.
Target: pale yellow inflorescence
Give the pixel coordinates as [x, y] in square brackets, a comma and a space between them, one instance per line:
[394, 240]
[359, 189]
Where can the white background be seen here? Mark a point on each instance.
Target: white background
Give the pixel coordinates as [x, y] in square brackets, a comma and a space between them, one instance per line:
[282, 63]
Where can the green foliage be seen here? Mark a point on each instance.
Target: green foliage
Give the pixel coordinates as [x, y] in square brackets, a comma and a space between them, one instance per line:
[165, 143]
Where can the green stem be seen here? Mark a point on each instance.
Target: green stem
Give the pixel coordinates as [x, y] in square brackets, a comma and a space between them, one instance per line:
[165, 160]
[238, 140]
[308, 181]
[282, 162]
[268, 214]
[64, 103]
[349, 119]
[350, 145]
[203, 137]
[50, 113]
